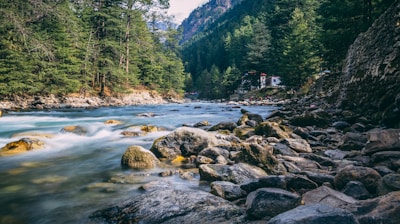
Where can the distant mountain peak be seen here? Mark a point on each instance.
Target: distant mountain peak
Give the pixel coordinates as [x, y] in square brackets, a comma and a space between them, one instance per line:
[204, 15]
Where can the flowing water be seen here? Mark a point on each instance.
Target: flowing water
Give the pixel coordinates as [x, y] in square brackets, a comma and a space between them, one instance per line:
[76, 175]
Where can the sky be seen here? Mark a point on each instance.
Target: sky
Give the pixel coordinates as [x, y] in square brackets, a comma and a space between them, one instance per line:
[181, 9]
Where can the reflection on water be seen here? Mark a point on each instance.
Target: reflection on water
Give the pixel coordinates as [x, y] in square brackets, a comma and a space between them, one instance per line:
[75, 175]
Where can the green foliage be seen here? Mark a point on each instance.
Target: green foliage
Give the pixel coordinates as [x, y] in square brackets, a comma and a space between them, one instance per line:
[294, 39]
[59, 47]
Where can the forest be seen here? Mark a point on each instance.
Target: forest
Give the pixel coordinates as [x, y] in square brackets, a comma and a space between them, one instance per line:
[293, 39]
[109, 47]
[96, 46]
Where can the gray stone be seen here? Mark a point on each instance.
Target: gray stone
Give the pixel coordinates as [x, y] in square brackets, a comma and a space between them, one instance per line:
[184, 141]
[223, 126]
[357, 190]
[271, 181]
[314, 214]
[368, 176]
[382, 140]
[227, 190]
[170, 206]
[237, 173]
[298, 145]
[330, 197]
[269, 202]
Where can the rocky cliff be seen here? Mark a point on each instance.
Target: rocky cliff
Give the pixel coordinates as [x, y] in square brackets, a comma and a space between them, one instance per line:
[204, 15]
[370, 82]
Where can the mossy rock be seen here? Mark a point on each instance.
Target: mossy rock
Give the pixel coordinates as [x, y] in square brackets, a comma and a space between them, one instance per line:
[113, 122]
[272, 129]
[21, 146]
[137, 157]
[78, 130]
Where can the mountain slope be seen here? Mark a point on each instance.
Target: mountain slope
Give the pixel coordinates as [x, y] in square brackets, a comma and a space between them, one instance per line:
[205, 15]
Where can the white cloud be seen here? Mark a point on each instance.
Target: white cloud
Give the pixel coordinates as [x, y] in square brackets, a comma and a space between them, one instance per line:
[181, 9]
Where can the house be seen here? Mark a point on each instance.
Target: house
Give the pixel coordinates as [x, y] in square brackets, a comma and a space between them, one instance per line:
[275, 81]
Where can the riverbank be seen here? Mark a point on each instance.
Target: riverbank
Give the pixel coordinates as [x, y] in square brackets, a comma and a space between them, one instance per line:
[142, 97]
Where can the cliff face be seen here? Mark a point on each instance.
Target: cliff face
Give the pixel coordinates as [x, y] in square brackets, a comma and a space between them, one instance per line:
[370, 83]
[204, 15]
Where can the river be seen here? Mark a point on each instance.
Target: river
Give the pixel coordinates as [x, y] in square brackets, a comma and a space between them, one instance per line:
[76, 175]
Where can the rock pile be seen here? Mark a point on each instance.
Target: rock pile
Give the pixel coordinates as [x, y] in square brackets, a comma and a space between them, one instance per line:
[321, 169]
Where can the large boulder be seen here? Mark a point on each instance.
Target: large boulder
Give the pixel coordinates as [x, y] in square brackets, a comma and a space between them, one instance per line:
[382, 140]
[171, 206]
[184, 141]
[237, 173]
[263, 157]
[315, 214]
[230, 126]
[21, 146]
[368, 176]
[266, 203]
[271, 129]
[138, 158]
[384, 209]
[298, 145]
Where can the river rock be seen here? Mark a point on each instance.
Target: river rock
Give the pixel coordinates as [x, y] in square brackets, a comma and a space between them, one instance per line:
[341, 125]
[357, 190]
[352, 141]
[21, 146]
[384, 209]
[389, 183]
[112, 122]
[317, 118]
[382, 140]
[298, 145]
[246, 117]
[271, 181]
[320, 178]
[263, 157]
[156, 185]
[201, 124]
[299, 183]
[266, 203]
[171, 206]
[230, 126]
[78, 130]
[315, 214]
[327, 196]
[216, 154]
[184, 141]
[368, 176]
[271, 129]
[298, 164]
[137, 157]
[389, 159]
[244, 132]
[227, 190]
[238, 173]
[283, 149]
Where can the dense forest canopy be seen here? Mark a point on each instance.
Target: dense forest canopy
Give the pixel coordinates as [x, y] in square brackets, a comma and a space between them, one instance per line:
[100, 46]
[112, 46]
[293, 39]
